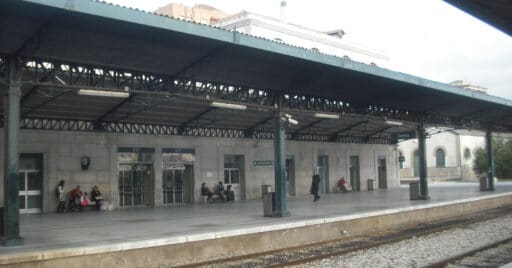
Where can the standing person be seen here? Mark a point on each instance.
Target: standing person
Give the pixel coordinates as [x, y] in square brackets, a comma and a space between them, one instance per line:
[61, 207]
[315, 184]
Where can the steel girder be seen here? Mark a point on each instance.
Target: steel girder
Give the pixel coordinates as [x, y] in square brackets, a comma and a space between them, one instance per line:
[75, 75]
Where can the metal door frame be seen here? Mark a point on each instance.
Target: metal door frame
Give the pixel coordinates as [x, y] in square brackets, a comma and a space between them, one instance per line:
[26, 193]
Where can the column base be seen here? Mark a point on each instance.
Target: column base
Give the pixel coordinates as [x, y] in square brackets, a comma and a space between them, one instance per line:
[281, 214]
[12, 241]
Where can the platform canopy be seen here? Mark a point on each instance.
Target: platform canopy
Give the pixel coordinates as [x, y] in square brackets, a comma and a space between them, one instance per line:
[497, 13]
[167, 72]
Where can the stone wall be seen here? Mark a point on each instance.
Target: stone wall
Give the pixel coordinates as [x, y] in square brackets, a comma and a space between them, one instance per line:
[62, 152]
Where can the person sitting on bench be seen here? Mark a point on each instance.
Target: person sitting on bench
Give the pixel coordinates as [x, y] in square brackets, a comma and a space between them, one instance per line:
[343, 186]
[220, 191]
[75, 199]
[205, 191]
[230, 195]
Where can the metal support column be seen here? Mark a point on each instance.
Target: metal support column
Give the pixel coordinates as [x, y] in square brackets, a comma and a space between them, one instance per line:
[11, 212]
[423, 163]
[280, 163]
[490, 159]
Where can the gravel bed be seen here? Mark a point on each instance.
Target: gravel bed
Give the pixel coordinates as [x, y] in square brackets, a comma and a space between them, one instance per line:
[494, 257]
[417, 252]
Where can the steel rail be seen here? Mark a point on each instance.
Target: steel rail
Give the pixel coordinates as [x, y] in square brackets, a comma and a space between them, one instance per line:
[346, 245]
[445, 262]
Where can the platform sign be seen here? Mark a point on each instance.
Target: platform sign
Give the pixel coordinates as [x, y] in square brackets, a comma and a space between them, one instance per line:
[262, 163]
[404, 135]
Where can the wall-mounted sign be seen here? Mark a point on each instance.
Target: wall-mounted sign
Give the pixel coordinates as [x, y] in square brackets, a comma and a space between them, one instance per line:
[404, 135]
[262, 163]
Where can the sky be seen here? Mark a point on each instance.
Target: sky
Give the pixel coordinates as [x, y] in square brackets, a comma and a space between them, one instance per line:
[426, 38]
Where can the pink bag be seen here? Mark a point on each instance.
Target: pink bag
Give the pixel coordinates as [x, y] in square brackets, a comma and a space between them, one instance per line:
[85, 202]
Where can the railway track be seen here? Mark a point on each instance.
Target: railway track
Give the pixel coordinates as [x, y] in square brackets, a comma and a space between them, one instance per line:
[471, 253]
[314, 252]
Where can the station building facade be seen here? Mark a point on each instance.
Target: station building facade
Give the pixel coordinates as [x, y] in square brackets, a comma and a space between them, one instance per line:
[135, 170]
[147, 170]
[450, 155]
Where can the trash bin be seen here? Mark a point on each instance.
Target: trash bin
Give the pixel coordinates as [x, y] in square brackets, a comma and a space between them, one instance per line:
[265, 188]
[414, 190]
[484, 184]
[371, 184]
[269, 204]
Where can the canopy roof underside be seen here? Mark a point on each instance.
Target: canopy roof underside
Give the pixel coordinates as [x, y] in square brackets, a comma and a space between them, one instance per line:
[82, 41]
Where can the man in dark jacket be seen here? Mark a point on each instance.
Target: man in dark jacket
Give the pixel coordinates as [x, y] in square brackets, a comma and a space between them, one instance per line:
[315, 184]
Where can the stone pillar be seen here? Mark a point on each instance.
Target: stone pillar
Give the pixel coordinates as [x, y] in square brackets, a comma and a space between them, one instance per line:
[280, 162]
[11, 212]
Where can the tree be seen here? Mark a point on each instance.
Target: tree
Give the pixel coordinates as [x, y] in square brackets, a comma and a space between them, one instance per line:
[502, 152]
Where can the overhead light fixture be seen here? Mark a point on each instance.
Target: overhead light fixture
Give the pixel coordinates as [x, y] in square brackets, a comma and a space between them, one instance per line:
[103, 93]
[288, 118]
[394, 123]
[228, 105]
[327, 116]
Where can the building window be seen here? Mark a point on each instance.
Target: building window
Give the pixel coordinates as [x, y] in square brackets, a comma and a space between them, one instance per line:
[440, 158]
[232, 168]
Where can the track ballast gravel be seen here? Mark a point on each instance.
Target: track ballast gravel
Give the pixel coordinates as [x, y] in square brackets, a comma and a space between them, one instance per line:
[419, 252]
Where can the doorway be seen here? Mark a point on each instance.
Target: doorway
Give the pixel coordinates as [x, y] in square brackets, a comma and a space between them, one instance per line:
[290, 175]
[30, 180]
[136, 177]
[323, 172]
[416, 159]
[382, 174]
[177, 185]
[178, 175]
[355, 180]
[234, 174]
[135, 185]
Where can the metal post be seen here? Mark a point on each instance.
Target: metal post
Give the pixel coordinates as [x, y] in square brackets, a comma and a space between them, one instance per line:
[280, 162]
[490, 159]
[11, 217]
[423, 162]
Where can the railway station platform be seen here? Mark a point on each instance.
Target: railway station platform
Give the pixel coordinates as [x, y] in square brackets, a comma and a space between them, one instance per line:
[160, 237]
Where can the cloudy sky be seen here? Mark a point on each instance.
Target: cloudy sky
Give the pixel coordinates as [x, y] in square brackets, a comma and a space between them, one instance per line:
[427, 38]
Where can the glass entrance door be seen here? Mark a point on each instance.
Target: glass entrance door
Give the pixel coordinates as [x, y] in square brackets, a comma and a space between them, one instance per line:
[355, 181]
[323, 172]
[135, 184]
[173, 186]
[383, 184]
[30, 183]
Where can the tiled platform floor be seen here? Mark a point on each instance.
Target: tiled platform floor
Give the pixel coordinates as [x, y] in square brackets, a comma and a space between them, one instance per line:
[94, 228]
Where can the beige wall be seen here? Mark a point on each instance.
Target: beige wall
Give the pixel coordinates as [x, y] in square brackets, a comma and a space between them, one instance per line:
[199, 13]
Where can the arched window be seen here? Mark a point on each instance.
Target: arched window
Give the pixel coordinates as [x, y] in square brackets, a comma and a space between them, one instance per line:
[440, 158]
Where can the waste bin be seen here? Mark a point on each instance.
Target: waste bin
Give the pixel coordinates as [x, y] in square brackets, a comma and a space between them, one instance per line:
[269, 204]
[414, 190]
[265, 188]
[371, 184]
[484, 184]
